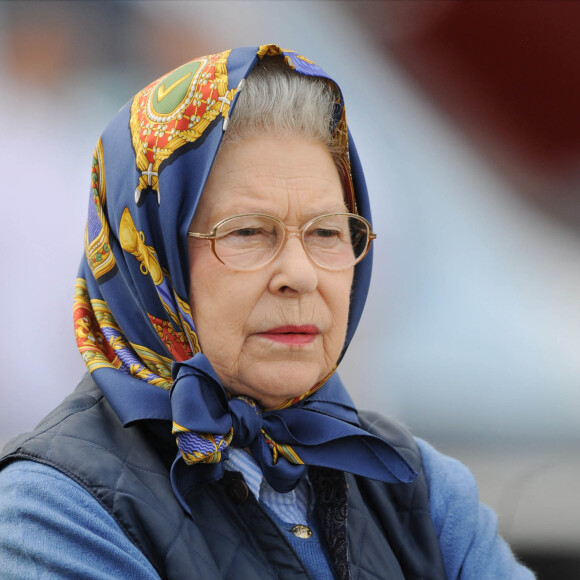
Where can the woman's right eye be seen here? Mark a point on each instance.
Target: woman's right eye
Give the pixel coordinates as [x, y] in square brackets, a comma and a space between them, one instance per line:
[245, 232]
[246, 237]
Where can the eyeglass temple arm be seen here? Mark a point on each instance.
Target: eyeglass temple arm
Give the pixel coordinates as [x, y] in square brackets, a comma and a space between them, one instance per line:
[210, 236]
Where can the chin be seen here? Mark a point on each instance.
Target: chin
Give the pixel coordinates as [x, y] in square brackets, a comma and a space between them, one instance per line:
[283, 382]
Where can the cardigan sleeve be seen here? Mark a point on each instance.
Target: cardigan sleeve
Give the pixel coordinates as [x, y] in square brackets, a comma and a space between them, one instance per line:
[467, 530]
[53, 528]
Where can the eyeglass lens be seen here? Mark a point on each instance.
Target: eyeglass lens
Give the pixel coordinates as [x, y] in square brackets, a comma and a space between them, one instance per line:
[333, 241]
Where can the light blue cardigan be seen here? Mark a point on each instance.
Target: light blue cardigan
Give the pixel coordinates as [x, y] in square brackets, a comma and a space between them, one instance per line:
[52, 528]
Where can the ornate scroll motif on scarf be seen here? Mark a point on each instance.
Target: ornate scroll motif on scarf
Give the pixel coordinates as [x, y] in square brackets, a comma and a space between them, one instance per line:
[175, 110]
[103, 345]
[97, 247]
[133, 242]
[174, 341]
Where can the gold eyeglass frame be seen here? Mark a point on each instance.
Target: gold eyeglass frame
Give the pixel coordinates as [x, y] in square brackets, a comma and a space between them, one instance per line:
[212, 236]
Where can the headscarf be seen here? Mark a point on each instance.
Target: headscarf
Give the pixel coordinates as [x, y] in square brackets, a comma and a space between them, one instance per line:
[132, 318]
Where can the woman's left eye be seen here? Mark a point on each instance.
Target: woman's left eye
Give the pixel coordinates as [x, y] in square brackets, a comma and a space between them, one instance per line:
[326, 233]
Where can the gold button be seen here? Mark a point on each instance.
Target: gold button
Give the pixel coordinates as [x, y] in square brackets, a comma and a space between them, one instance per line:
[301, 531]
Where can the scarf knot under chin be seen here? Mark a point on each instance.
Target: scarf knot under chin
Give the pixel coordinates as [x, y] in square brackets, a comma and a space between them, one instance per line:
[246, 421]
[320, 430]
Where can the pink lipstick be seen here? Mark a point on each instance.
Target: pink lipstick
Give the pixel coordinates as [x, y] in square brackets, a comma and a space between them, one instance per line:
[292, 335]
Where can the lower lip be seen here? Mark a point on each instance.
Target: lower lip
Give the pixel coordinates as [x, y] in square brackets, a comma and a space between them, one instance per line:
[291, 338]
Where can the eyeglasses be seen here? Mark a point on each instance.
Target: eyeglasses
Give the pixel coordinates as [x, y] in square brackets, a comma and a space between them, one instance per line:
[251, 241]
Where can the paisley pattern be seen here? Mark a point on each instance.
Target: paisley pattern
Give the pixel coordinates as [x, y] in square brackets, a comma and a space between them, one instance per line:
[331, 508]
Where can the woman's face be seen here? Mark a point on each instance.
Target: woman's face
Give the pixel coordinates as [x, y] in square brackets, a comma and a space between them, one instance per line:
[272, 333]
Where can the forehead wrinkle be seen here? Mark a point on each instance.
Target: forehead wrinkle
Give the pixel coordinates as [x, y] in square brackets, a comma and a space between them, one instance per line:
[277, 196]
[258, 184]
[307, 208]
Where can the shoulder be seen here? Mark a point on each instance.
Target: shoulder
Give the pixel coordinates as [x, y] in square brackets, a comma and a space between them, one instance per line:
[467, 530]
[448, 479]
[84, 399]
[54, 526]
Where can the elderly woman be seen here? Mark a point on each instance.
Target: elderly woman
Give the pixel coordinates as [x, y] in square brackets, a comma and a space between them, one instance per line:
[224, 276]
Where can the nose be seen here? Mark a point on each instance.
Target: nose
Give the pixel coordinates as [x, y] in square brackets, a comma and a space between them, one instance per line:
[293, 271]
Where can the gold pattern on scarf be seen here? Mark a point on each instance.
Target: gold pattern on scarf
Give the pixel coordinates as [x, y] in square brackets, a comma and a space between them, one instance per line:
[190, 332]
[93, 322]
[275, 50]
[133, 241]
[270, 50]
[175, 110]
[98, 250]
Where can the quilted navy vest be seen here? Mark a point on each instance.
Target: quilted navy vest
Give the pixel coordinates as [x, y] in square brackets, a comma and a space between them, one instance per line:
[373, 530]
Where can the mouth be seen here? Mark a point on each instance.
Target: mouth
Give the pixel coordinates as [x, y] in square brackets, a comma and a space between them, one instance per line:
[292, 335]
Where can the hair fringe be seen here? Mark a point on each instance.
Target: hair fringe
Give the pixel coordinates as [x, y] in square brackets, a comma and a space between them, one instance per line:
[276, 99]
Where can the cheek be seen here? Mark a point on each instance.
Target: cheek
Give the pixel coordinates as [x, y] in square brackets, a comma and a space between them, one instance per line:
[338, 301]
[341, 310]
[220, 304]
[204, 294]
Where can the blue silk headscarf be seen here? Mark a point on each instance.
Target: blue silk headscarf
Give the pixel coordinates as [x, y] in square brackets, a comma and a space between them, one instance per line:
[132, 318]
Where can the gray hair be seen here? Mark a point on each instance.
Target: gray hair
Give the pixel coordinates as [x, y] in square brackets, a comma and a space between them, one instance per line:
[276, 99]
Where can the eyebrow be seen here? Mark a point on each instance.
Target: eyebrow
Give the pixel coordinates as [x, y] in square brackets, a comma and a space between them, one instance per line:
[328, 210]
[315, 212]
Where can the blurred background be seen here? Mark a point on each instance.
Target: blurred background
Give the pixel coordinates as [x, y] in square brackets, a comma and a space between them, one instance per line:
[466, 118]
